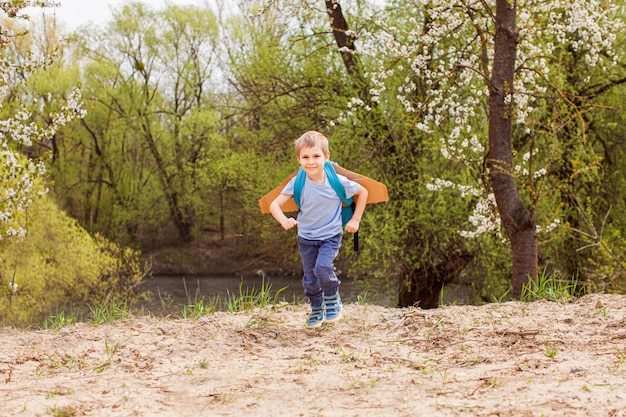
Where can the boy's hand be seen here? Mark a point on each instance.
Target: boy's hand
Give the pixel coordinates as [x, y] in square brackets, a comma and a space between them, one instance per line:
[361, 199]
[289, 223]
[352, 226]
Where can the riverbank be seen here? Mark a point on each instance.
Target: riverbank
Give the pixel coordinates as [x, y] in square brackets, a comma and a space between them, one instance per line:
[164, 295]
[509, 359]
[214, 268]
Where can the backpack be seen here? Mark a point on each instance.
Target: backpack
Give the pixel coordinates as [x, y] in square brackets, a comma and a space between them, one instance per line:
[349, 204]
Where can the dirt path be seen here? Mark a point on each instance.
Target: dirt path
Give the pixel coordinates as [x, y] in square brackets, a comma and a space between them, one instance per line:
[510, 359]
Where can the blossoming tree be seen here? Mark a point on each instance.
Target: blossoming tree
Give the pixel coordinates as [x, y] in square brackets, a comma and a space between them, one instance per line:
[469, 61]
[22, 177]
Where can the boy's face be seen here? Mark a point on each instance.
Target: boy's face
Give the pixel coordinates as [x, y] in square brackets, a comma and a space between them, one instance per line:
[312, 160]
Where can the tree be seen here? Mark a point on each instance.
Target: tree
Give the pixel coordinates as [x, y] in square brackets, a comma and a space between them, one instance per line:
[434, 261]
[46, 261]
[21, 178]
[150, 77]
[457, 74]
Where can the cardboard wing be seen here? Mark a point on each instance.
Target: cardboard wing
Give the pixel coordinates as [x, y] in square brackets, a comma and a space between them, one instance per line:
[377, 191]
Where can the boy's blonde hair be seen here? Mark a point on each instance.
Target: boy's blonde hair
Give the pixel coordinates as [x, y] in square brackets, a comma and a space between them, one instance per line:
[312, 139]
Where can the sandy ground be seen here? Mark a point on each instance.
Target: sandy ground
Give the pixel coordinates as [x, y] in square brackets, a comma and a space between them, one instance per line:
[510, 359]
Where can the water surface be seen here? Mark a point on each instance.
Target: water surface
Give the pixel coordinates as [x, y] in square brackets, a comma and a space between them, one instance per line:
[168, 293]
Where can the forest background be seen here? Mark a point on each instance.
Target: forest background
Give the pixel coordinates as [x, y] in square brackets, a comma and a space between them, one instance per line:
[149, 141]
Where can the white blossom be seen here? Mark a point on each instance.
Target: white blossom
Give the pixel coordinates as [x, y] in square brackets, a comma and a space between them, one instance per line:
[20, 175]
[550, 227]
[456, 77]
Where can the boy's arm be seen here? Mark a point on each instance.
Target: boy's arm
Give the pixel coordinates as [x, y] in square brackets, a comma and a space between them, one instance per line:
[361, 200]
[286, 222]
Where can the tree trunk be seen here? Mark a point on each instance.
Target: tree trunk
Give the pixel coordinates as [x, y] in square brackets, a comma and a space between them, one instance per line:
[182, 222]
[344, 40]
[518, 220]
[422, 286]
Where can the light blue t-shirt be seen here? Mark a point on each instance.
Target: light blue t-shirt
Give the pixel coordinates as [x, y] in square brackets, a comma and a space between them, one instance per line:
[320, 207]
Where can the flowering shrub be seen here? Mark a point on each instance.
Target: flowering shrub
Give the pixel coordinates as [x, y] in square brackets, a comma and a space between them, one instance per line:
[58, 266]
[19, 175]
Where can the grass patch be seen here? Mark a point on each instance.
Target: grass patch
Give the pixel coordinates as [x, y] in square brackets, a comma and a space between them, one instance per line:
[251, 298]
[199, 308]
[549, 286]
[60, 320]
[110, 352]
[110, 312]
[245, 299]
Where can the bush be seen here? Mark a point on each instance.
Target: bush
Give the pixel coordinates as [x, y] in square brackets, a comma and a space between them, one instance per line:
[58, 266]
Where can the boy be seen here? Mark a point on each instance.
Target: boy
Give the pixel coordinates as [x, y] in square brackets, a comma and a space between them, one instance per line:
[319, 226]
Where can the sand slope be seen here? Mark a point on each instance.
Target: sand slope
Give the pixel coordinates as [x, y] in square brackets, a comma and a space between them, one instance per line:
[510, 359]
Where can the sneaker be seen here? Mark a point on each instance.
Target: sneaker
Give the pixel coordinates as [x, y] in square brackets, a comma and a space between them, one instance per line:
[334, 308]
[316, 318]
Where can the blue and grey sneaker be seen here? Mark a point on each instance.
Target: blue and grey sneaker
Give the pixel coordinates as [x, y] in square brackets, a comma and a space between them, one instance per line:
[316, 318]
[334, 308]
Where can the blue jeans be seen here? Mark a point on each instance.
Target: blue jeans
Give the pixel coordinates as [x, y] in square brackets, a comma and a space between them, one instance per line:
[318, 258]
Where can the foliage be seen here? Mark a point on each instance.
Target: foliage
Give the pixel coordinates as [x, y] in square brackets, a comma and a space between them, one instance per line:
[429, 68]
[149, 79]
[20, 131]
[59, 266]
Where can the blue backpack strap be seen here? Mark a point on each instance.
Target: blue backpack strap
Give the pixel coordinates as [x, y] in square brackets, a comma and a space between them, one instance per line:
[331, 174]
[298, 185]
[348, 209]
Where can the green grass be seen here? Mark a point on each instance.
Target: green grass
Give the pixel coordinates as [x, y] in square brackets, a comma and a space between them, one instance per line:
[251, 298]
[110, 312]
[60, 320]
[67, 411]
[199, 308]
[361, 299]
[549, 286]
[245, 299]
[110, 352]
[550, 351]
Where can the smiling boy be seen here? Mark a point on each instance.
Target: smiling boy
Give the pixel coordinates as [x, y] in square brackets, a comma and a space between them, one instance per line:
[319, 225]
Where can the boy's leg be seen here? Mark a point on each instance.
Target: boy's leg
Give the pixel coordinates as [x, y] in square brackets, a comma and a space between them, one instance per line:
[324, 268]
[308, 254]
[325, 272]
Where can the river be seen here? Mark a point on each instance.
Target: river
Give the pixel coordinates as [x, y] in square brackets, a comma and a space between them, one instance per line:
[167, 294]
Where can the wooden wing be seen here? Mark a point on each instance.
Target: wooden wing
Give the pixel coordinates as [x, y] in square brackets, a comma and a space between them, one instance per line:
[377, 191]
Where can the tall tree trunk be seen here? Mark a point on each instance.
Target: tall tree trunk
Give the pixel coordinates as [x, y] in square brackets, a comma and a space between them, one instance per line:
[182, 222]
[518, 220]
